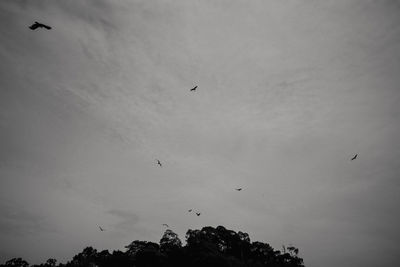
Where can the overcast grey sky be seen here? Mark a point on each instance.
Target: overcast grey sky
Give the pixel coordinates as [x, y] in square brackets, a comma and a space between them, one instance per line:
[288, 92]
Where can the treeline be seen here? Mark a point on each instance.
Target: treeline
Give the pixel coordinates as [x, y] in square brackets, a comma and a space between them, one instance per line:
[214, 247]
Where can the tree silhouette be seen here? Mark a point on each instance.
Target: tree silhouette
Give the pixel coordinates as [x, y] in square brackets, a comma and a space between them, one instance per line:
[170, 241]
[48, 263]
[144, 253]
[16, 262]
[212, 247]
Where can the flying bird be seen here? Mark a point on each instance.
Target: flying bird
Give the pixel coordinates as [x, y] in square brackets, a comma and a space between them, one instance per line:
[238, 189]
[166, 225]
[198, 213]
[355, 156]
[194, 88]
[190, 210]
[36, 25]
[101, 229]
[159, 163]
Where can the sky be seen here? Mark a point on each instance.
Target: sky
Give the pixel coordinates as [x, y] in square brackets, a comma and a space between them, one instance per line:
[288, 92]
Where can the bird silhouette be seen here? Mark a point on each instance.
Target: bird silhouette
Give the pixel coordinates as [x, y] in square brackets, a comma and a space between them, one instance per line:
[159, 163]
[355, 156]
[36, 25]
[194, 88]
[166, 225]
[101, 229]
[198, 213]
[190, 210]
[238, 189]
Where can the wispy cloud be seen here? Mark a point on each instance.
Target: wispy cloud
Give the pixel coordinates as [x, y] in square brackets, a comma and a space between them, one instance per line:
[288, 91]
[19, 221]
[127, 219]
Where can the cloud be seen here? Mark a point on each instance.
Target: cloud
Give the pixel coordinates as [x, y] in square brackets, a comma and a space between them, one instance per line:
[287, 92]
[127, 219]
[18, 221]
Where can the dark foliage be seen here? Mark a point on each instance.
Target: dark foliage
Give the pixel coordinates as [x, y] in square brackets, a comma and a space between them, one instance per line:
[213, 247]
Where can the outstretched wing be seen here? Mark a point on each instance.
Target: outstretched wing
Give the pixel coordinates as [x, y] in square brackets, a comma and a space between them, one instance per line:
[39, 25]
[34, 26]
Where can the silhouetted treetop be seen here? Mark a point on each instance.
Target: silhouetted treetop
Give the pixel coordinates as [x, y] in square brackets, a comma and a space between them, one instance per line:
[16, 262]
[170, 241]
[212, 247]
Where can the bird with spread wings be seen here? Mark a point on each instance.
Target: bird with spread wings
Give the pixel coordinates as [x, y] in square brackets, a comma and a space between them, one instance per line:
[36, 25]
[159, 163]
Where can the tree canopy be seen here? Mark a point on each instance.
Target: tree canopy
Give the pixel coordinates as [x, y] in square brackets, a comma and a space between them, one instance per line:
[214, 247]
